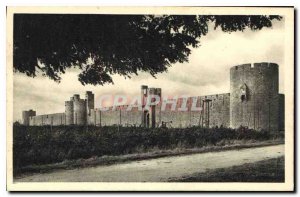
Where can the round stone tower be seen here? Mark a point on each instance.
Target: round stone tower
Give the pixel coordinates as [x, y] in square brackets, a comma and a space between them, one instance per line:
[254, 96]
[80, 115]
[69, 112]
[26, 116]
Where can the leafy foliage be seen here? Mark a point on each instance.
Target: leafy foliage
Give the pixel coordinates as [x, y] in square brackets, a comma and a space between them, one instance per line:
[42, 145]
[103, 45]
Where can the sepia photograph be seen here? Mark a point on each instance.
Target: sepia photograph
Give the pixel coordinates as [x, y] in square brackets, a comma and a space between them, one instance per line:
[150, 98]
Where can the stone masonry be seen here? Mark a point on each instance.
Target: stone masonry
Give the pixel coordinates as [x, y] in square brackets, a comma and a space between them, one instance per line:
[253, 102]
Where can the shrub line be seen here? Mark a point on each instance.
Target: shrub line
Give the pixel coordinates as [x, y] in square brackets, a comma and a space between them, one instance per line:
[110, 160]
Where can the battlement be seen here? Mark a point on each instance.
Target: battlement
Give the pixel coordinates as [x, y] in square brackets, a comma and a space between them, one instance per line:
[254, 66]
[154, 91]
[68, 102]
[266, 65]
[82, 101]
[216, 96]
[247, 104]
[76, 97]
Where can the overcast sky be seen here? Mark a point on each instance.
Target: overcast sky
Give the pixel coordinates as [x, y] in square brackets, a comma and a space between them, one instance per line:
[207, 72]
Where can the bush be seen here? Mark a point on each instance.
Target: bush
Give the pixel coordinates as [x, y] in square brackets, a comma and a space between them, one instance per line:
[42, 145]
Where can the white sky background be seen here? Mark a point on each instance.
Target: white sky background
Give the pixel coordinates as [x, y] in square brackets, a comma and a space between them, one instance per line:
[207, 72]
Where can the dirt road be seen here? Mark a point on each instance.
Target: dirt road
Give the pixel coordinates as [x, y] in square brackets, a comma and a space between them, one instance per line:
[161, 169]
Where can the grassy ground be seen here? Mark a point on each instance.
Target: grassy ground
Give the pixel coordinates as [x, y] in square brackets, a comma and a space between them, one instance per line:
[271, 170]
[154, 153]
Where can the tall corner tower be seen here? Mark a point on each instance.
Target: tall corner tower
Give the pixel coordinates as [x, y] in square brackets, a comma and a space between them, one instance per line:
[80, 115]
[254, 96]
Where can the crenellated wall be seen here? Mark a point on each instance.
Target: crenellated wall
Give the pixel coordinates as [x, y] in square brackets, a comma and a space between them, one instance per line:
[218, 111]
[253, 102]
[49, 119]
[116, 116]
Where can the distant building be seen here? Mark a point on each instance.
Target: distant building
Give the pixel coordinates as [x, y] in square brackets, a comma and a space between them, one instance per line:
[26, 115]
[253, 102]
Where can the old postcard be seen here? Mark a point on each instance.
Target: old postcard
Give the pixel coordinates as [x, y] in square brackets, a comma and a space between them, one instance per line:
[150, 99]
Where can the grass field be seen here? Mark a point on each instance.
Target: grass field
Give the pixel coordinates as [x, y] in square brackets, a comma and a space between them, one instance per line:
[271, 170]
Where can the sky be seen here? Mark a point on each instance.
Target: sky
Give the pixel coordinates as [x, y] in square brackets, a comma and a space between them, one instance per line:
[207, 72]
